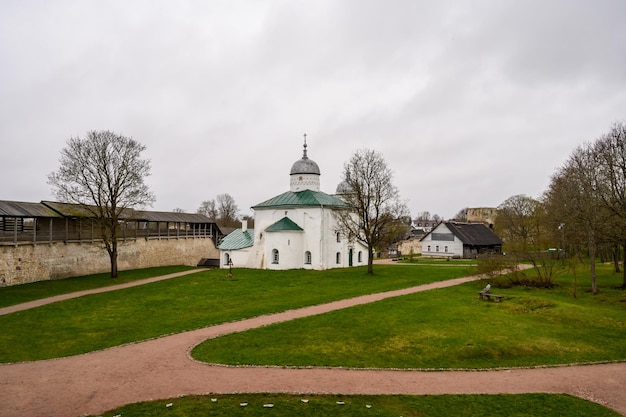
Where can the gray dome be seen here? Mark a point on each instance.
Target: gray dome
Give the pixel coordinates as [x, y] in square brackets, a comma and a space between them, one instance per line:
[343, 188]
[305, 166]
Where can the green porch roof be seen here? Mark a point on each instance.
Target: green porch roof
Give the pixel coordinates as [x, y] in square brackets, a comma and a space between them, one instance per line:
[304, 198]
[237, 239]
[284, 224]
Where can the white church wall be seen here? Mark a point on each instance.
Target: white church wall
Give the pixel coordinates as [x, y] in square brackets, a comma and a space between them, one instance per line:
[240, 258]
[319, 237]
[291, 245]
[289, 249]
[333, 245]
[311, 221]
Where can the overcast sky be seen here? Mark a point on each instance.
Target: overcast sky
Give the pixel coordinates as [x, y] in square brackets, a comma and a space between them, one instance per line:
[469, 102]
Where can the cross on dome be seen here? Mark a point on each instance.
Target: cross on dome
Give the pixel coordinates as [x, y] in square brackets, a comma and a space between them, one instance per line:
[304, 151]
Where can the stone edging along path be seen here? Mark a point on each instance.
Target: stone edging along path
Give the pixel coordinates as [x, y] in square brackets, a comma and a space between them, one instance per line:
[162, 368]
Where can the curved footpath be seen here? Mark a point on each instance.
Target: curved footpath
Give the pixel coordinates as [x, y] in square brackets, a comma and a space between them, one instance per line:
[162, 368]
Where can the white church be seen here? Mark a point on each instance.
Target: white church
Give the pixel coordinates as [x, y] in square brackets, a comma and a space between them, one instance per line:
[295, 230]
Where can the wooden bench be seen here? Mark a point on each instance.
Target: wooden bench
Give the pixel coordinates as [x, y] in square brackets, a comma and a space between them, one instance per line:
[490, 297]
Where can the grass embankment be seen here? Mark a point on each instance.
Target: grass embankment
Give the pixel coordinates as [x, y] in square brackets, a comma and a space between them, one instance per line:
[208, 297]
[364, 405]
[446, 328]
[18, 294]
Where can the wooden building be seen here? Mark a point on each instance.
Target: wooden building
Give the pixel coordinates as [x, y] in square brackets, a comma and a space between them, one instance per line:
[460, 240]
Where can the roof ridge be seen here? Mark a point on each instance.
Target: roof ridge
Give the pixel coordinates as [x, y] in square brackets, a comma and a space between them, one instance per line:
[303, 198]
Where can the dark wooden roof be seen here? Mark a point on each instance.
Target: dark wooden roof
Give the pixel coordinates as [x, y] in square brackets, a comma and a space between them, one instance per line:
[56, 209]
[24, 209]
[172, 217]
[475, 234]
[68, 209]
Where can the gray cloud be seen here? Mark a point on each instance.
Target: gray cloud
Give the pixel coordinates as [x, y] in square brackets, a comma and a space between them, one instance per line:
[470, 103]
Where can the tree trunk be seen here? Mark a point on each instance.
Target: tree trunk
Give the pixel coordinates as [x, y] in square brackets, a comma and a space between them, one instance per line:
[370, 260]
[624, 269]
[592, 261]
[113, 256]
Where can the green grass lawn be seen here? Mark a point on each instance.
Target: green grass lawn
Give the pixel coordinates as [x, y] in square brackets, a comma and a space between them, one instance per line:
[525, 405]
[33, 291]
[109, 319]
[446, 328]
[435, 261]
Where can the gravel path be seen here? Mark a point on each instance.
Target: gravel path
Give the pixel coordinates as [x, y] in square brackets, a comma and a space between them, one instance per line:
[161, 368]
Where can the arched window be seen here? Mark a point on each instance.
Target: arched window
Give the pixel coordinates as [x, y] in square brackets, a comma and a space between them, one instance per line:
[274, 256]
[226, 259]
[360, 256]
[307, 258]
[338, 237]
[338, 258]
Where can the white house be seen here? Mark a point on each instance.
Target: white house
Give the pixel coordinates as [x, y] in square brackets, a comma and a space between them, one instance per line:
[460, 240]
[295, 229]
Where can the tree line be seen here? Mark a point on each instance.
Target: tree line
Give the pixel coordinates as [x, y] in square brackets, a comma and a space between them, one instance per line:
[104, 173]
[223, 210]
[581, 215]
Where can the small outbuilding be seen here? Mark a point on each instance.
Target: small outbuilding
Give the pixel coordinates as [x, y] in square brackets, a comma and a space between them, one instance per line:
[453, 239]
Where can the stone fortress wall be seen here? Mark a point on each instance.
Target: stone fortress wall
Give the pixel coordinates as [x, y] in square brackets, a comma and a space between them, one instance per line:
[24, 263]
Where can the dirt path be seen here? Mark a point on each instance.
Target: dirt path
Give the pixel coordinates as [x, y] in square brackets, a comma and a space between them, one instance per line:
[161, 368]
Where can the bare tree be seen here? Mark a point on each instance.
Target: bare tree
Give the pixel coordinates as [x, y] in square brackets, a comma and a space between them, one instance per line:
[376, 207]
[461, 215]
[222, 210]
[425, 215]
[610, 151]
[105, 174]
[521, 224]
[228, 210]
[574, 195]
[209, 209]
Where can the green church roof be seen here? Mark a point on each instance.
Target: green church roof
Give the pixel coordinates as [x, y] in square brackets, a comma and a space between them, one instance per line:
[237, 239]
[304, 198]
[284, 224]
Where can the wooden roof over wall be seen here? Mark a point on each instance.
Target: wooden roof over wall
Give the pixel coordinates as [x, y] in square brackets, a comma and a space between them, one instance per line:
[25, 209]
[56, 209]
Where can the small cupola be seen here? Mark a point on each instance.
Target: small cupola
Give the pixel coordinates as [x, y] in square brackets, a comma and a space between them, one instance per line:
[305, 173]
